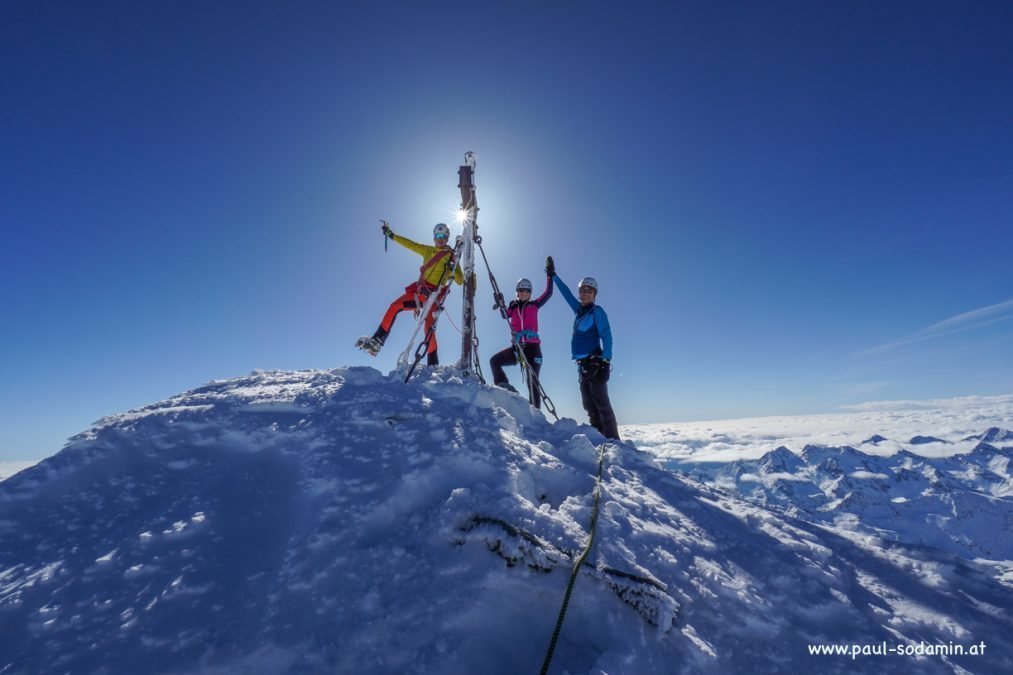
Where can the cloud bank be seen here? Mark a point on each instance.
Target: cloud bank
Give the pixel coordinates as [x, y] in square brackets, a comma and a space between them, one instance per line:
[949, 420]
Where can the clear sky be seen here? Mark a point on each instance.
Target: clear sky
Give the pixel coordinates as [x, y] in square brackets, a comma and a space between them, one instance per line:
[789, 206]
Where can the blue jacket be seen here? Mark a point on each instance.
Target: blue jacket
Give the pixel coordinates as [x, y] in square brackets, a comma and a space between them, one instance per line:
[591, 331]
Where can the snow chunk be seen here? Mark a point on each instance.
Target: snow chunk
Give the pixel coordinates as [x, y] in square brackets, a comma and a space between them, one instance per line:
[108, 557]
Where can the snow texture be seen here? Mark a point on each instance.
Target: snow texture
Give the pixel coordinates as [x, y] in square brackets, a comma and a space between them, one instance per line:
[342, 521]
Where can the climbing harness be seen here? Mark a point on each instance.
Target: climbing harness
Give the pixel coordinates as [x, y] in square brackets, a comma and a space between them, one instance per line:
[422, 284]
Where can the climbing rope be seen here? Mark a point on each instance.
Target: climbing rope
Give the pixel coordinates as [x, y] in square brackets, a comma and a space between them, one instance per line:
[454, 325]
[578, 563]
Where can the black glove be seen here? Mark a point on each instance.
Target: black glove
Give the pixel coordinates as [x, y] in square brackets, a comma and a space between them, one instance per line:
[550, 267]
[387, 232]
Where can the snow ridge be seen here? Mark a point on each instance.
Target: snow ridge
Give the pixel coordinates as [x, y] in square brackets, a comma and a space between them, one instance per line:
[342, 521]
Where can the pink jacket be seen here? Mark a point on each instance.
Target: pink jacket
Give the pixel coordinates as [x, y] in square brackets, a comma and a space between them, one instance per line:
[524, 316]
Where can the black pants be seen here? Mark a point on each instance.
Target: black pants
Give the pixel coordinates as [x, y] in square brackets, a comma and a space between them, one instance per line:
[507, 357]
[594, 394]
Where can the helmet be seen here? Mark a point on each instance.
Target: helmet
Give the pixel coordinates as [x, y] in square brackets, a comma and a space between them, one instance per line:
[441, 231]
[588, 282]
[524, 285]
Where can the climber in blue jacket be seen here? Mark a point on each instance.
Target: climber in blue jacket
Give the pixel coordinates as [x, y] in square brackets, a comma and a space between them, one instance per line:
[591, 348]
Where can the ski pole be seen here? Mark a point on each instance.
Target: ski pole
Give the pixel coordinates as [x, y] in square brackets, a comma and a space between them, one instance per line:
[385, 235]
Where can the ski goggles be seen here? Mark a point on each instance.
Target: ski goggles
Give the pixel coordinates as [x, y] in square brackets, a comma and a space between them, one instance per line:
[439, 236]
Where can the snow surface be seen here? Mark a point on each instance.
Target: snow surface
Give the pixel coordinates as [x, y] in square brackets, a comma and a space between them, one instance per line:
[342, 521]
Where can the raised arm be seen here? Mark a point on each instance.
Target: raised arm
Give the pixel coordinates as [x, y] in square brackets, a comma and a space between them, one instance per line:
[544, 297]
[421, 249]
[567, 295]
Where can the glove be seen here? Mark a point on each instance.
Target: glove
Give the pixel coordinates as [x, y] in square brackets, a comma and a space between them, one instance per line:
[387, 232]
[550, 267]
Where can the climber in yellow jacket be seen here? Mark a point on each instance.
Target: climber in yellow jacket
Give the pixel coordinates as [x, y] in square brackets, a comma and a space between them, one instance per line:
[434, 270]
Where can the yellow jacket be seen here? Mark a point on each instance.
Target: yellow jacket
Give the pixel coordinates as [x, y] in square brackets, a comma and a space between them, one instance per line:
[435, 272]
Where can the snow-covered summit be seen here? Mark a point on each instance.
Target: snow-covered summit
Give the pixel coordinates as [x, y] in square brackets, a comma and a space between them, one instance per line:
[342, 521]
[994, 435]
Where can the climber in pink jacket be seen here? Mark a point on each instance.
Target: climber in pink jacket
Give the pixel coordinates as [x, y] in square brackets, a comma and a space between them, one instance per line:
[523, 316]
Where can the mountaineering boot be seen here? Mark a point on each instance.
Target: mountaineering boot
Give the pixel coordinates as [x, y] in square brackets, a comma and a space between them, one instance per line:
[506, 385]
[433, 359]
[372, 344]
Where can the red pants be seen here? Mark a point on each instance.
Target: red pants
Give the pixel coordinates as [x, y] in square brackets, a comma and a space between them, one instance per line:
[410, 301]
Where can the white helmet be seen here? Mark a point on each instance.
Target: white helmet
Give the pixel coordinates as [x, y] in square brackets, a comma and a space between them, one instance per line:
[441, 231]
[524, 285]
[589, 282]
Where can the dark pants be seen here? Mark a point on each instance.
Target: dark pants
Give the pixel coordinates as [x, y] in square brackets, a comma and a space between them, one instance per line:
[507, 357]
[594, 394]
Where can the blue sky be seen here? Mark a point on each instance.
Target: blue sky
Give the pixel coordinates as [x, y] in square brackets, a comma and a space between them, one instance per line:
[790, 206]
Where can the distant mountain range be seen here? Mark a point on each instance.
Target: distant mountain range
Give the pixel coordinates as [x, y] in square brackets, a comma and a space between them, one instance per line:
[962, 503]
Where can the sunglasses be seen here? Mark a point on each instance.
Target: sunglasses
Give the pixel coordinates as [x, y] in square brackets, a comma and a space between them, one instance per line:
[586, 289]
[439, 236]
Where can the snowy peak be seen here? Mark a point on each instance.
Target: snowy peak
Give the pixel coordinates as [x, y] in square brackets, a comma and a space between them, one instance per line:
[993, 435]
[343, 521]
[835, 460]
[815, 453]
[780, 460]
